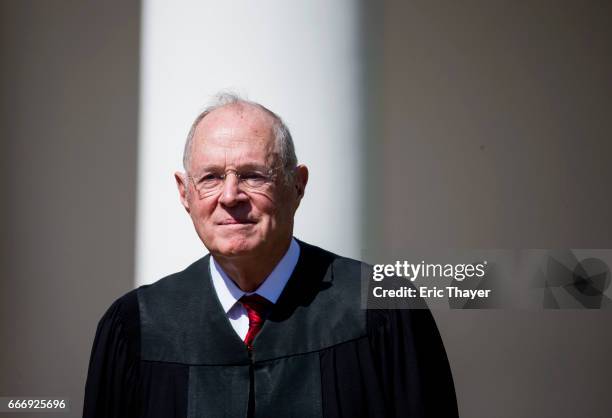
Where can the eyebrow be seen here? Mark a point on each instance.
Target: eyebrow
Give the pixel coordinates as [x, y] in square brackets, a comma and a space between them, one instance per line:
[245, 166]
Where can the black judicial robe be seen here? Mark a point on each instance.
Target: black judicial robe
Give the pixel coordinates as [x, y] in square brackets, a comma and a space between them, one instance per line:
[168, 350]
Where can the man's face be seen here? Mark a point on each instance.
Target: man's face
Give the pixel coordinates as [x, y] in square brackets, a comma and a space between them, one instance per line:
[234, 219]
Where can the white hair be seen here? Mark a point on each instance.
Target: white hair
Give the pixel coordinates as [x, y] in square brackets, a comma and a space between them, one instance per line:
[282, 136]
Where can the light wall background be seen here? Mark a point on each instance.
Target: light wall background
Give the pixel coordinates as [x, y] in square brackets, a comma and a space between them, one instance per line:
[474, 124]
[299, 59]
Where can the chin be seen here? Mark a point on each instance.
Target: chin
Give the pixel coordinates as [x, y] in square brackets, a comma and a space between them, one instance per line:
[236, 246]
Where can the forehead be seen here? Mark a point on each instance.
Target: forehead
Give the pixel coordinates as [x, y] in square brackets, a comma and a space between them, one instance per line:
[234, 134]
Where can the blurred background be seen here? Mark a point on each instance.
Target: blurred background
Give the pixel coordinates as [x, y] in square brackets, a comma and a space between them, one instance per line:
[476, 124]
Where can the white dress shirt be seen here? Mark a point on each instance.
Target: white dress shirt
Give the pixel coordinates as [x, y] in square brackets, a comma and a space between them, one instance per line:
[271, 288]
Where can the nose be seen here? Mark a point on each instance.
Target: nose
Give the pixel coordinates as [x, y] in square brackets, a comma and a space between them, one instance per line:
[231, 194]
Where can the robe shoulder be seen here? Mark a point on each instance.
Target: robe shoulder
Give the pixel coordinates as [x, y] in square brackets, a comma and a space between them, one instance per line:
[119, 381]
[120, 324]
[411, 362]
[114, 362]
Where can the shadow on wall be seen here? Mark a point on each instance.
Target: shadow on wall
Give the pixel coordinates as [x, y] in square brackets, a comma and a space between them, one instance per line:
[495, 133]
[69, 109]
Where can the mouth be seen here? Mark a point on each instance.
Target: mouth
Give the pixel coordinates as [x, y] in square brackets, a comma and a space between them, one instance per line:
[237, 222]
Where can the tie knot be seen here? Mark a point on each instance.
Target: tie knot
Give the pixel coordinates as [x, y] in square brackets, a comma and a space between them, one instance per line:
[256, 306]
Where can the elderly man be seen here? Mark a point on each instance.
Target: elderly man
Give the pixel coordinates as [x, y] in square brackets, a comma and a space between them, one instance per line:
[265, 325]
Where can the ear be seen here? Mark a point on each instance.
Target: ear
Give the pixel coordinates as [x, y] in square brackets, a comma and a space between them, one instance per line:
[301, 179]
[182, 183]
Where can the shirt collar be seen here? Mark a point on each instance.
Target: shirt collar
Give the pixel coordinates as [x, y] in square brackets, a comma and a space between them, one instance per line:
[271, 288]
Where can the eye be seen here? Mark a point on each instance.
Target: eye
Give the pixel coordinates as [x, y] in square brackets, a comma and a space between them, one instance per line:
[209, 180]
[254, 179]
[253, 176]
[210, 176]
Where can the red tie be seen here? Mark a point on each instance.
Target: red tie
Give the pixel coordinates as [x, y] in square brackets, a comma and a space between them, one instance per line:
[257, 307]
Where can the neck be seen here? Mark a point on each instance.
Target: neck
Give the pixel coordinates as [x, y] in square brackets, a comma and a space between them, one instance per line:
[250, 271]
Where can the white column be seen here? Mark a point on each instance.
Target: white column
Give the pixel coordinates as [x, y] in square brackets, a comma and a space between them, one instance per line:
[300, 59]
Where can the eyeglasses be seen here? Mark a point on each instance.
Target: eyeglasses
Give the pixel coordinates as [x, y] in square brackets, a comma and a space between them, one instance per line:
[248, 180]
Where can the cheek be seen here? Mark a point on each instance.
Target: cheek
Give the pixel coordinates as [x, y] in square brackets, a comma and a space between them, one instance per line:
[201, 213]
[279, 209]
[263, 203]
